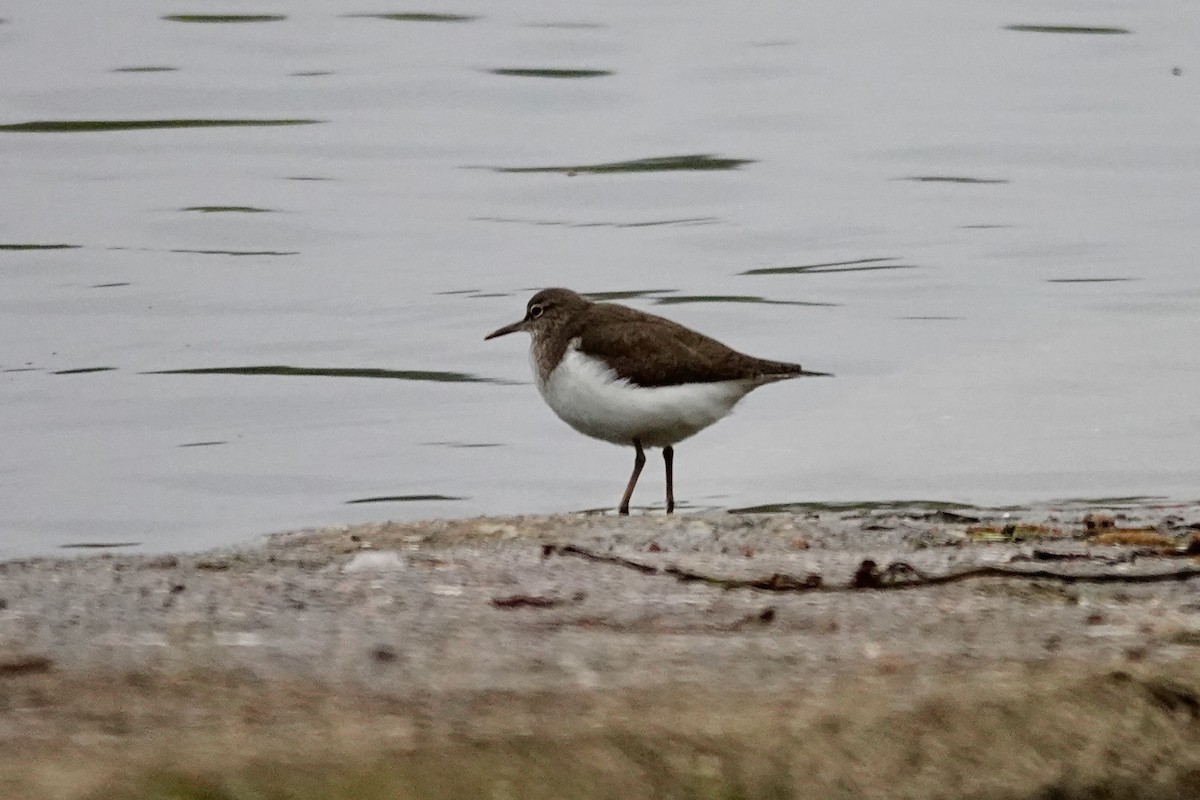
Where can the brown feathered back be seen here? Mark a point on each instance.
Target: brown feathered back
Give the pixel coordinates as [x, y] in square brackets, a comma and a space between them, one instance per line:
[646, 349]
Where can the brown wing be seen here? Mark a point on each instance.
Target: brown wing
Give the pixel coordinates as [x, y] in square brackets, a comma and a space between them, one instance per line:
[648, 350]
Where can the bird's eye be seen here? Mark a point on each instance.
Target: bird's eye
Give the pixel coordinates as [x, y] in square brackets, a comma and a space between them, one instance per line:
[535, 311]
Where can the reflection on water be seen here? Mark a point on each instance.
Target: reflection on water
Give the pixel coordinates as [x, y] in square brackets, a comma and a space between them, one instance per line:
[235, 18]
[1066, 29]
[1089, 280]
[415, 17]
[701, 161]
[229, 209]
[952, 179]
[238, 252]
[679, 299]
[331, 372]
[467, 445]
[404, 498]
[650, 223]
[568, 26]
[857, 265]
[533, 72]
[15, 246]
[82, 370]
[626, 294]
[98, 125]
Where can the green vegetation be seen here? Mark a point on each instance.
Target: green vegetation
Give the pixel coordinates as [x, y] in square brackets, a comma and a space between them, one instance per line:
[700, 161]
[858, 265]
[731, 298]
[229, 209]
[521, 72]
[1098, 30]
[331, 372]
[101, 125]
[416, 17]
[952, 179]
[403, 498]
[18, 246]
[218, 18]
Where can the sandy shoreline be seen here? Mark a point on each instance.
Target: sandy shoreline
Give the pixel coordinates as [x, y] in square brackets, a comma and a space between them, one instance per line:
[740, 632]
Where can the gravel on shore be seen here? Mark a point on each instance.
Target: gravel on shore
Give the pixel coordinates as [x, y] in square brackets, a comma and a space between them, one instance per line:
[890, 651]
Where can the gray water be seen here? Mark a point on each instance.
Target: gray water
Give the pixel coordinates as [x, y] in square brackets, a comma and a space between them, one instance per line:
[247, 261]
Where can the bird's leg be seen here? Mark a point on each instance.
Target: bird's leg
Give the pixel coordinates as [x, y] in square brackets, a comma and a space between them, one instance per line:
[669, 461]
[639, 461]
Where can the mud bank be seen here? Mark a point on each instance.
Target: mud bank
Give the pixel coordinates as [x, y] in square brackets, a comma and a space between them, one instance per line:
[867, 652]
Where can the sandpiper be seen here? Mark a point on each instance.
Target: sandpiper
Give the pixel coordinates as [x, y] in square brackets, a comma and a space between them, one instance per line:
[631, 378]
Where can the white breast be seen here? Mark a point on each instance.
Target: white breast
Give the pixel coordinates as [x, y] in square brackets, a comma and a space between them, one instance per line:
[593, 400]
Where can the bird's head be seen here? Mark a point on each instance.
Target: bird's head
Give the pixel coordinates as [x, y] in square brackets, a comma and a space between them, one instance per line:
[545, 311]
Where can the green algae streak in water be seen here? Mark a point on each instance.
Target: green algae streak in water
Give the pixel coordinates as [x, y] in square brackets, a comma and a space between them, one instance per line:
[1075, 29]
[532, 72]
[428, 16]
[225, 18]
[696, 162]
[331, 372]
[98, 125]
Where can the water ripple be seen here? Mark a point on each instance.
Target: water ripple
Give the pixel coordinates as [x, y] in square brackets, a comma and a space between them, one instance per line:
[331, 372]
[224, 18]
[858, 265]
[240, 252]
[693, 162]
[951, 179]
[732, 298]
[538, 72]
[82, 370]
[97, 125]
[404, 498]
[1100, 30]
[650, 223]
[229, 209]
[427, 16]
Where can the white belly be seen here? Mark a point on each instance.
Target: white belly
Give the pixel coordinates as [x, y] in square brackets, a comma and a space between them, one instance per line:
[589, 397]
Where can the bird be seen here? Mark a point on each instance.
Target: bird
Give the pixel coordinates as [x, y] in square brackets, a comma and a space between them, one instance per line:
[632, 378]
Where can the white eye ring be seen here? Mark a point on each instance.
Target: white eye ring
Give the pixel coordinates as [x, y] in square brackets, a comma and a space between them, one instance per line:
[535, 311]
